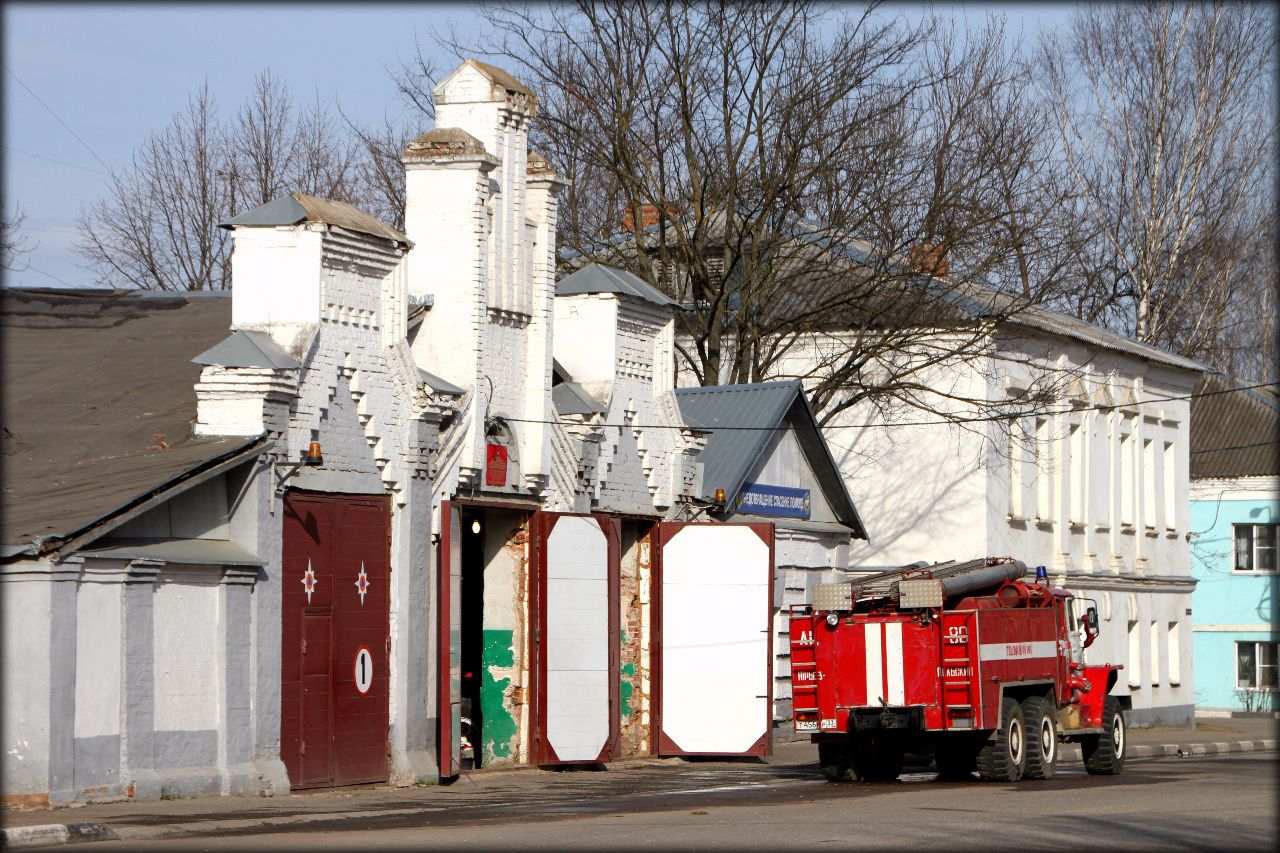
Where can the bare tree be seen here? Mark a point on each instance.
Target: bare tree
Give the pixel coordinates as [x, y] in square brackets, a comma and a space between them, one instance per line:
[13, 243]
[157, 226]
[788, 171]
[1168, 126]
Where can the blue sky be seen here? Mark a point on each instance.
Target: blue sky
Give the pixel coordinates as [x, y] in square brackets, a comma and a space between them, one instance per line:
[116, 72]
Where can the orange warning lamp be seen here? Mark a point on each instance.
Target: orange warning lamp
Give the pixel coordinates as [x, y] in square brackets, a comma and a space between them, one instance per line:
[314, 457]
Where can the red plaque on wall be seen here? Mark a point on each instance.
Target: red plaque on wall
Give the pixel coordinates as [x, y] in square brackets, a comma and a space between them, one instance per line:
[495, 465]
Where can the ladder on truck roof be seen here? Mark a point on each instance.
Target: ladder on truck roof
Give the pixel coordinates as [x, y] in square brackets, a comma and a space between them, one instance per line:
[885, 585]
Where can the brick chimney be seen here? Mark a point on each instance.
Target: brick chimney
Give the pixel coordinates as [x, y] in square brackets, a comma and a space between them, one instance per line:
[930, 259]
[649, 216]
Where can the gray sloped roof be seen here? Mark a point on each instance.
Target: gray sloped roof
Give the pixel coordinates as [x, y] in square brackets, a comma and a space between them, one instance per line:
[570, 398]
[99, 396]
[1235, 431]
[742, 419]
[598, 278]
[296, 208]
[438, 384]
[248, 349]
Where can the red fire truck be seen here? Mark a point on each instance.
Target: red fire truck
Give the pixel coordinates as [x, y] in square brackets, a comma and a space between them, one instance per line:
[969, 661]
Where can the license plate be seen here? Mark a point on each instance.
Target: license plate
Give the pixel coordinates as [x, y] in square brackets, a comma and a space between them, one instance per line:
[806, 725]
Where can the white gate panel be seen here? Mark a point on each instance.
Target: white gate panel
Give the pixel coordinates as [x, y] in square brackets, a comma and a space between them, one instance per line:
[716, 599]
[577, 641]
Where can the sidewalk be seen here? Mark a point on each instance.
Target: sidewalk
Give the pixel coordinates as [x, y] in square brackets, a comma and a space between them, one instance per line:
[27, 827]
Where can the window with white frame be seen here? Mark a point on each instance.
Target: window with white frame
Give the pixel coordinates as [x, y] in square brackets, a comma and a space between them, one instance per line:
[1148, 476]
[1134, 668]
[1022, 468]
[1256, 665]
[1044, 471]
[1255, 547]
[1076, 486]
[1169, 486]
[1174, 655]
[1153, 643]
[1128, 472]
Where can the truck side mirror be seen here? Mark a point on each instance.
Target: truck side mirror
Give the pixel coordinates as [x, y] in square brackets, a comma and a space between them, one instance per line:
[1090, 626]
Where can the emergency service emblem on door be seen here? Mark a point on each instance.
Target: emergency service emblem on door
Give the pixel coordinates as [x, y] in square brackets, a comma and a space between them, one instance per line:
[333, 707]
[576, 588]
[715, 667]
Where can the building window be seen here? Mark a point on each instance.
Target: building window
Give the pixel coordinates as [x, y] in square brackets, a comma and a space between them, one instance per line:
[1174, 655]
[1154, 645]
[1044, 471]
[1076, 486]
[1256, 666]
[1134, 669]
[1128, 474]
[1255, 547]
[1148, 484]
[1169, 485]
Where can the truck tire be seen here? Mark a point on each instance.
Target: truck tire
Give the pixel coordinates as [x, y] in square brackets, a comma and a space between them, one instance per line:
[836, 761]
[875, 759]
[1003, 758]
[1104, 753]
[1042, 738]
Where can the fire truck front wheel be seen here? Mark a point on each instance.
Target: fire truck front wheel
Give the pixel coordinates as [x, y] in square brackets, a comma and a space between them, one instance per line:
[1104, 753]
[1003, 758]
[1042, 738]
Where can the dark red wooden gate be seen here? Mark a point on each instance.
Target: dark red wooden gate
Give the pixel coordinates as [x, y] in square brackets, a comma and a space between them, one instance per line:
[336, 601]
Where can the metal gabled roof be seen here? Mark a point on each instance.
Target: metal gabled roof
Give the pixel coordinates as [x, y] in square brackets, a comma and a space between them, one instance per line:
[296, 208]
[598, 278]
[1235, 430]
[248, 349]
[742, 420]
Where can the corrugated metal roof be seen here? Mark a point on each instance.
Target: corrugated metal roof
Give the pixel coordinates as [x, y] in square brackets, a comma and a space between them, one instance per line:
[248, 349]
[598, 278]
[742, 420]
[1235, 431]
[296, 208]
[570, 398]
[99, 394]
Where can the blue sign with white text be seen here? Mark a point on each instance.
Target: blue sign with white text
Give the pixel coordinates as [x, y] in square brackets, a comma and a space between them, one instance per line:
[773, 500]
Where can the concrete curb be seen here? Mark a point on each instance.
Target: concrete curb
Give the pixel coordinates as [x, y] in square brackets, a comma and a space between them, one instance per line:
[1071, 752]
[49, 834]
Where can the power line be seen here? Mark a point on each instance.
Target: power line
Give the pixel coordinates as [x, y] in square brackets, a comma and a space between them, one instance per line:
[1275, 443]
[52, 276]
[59, 118]
[59, 162]
[940, 422]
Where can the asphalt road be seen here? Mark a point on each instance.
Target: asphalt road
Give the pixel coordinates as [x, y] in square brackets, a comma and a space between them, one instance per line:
[1216, 803]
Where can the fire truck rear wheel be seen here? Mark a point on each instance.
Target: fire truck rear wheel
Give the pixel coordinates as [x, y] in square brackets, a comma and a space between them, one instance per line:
[1042, 738]
[836, 761]
[1104, 753]
[1004, 757]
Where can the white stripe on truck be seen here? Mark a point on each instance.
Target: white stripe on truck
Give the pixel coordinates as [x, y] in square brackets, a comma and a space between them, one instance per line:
[893, 663]
[1018, 651]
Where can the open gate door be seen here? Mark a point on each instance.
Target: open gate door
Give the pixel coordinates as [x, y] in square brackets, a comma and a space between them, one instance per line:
[713, 633]
[449, 665]
[576, 638]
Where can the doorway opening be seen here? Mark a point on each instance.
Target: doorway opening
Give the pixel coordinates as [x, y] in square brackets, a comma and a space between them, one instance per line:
[471, 636]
